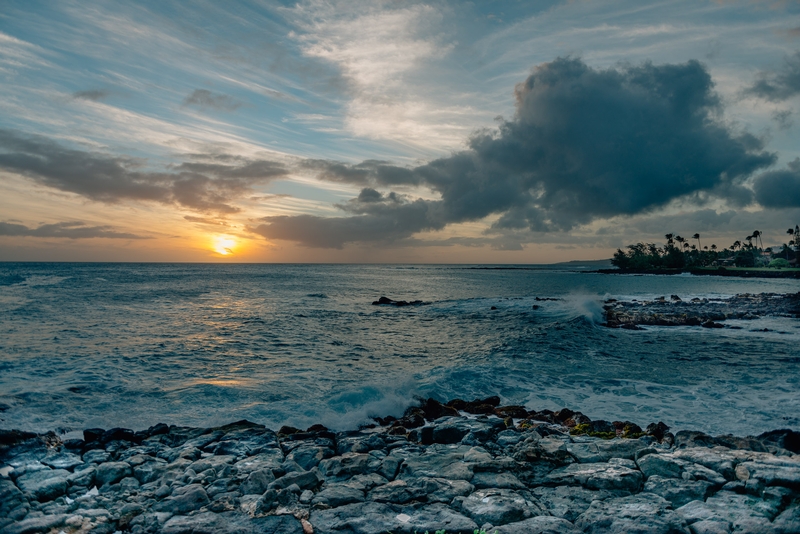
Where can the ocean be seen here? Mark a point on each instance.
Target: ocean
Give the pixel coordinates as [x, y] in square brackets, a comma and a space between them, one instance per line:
[131, 345]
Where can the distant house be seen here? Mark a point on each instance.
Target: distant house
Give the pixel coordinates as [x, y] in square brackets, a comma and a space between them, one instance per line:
[725, 262]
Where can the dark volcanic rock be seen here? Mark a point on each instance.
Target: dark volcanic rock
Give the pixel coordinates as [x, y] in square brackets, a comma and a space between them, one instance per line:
[389, 302]
[699, 312]
[554, 472]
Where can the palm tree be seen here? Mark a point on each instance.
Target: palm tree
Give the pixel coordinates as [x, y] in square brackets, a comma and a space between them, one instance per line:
[757, 235]
[713, 247]
[679, 240]
[736, 244]
[669, 241]
[749, 240]
[697, 236]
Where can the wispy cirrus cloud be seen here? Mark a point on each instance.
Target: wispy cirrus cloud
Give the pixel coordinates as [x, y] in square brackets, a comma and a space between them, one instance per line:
[95, 95]
[205, 99]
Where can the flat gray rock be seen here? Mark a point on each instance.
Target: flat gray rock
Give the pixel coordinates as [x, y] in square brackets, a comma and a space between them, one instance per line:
[266, 459]
[678, 491]
[231, 523]
[62, 460]
[568, 502]
[397, 492]
[743, 512]
[617, 474]
[539, 525]
[433, 518]
[44, 485]
[337, 495]
[361, 518]
[498, 506]
[638, 514]
[604, 450]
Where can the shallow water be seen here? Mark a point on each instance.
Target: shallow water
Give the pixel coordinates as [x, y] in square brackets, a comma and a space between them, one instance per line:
[134, 344]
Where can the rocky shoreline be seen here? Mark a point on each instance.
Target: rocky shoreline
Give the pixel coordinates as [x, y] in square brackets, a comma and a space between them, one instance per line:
[674, 311]
[458, 466]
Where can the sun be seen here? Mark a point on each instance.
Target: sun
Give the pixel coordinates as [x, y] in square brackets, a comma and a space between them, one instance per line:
[224, 245]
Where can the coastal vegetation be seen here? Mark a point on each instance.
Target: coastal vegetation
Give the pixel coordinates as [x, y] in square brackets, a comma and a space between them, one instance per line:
[679, 253]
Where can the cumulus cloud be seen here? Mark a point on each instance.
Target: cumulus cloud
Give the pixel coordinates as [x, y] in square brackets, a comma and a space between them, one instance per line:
[111, 179]
[779, 189]
[69, 230]
[94, 95]
[779, 85]
[203, 98]
[584, 144]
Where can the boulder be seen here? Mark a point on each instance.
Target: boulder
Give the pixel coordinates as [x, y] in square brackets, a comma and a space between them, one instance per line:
[112, 472]
[643, 514]
[44, 485]
[433, 518]
[617, 474]
[498, 506]
[336, 495]
[568, 502]
[357, 518]
[539, 525]
[678, 491]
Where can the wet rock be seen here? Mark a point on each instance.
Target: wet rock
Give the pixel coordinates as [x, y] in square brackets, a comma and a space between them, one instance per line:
[347, 465]
[437, 464]
[772, 471]
[184, 500]
[337, 495]
[485, 480]
[539, 525]
[617, 474]
[603, 451]
[385, 301]
[268, 459]
[788, 521]
[96, 456]
[433, 518]
[230, 523]
[150, 470]
[568, 502]
[257, 482]
[112, 472]
[305, 480]
[309, 456]
[62, 460]
[645, 513]
[359, 518]
[784, 438]
[677, 491]
[44, 485]
[743, 512]
[397, 492]
[498, 506]
[35, 524]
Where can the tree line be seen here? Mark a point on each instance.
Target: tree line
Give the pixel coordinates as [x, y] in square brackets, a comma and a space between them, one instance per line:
[681, 253]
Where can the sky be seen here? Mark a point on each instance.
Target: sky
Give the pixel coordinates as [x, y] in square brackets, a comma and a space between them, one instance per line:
[396, 131]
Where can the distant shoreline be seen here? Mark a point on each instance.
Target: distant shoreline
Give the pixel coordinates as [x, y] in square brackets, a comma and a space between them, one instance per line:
[720, 271]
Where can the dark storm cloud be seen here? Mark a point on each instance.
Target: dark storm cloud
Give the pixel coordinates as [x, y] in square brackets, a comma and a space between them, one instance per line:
[111, 179]
[206, 99]
[779, 189]
[367, 172]
[584, 144]
[94, 95]
[375, 218]
[780, 85]
[69, 230]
